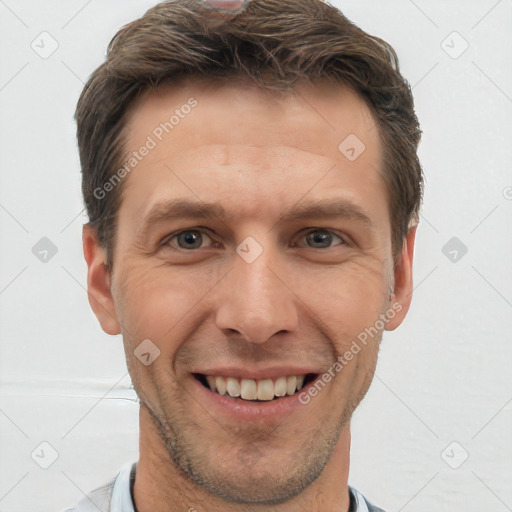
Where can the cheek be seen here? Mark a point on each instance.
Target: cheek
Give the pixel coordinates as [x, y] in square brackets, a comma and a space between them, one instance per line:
[344, 300]
[156, 301]
[163, 303]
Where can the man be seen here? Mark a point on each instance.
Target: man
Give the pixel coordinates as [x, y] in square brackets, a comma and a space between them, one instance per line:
[253, 189]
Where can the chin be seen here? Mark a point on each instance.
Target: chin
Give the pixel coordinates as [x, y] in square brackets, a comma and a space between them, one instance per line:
[249, 487]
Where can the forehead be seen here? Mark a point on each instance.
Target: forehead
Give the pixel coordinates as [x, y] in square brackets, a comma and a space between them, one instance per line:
[211, 139]
[316, 117]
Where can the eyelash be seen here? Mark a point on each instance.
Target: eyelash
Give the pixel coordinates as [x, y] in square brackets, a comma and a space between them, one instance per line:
[166, 241]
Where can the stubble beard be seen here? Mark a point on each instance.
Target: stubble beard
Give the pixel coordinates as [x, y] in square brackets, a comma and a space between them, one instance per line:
[237, 482]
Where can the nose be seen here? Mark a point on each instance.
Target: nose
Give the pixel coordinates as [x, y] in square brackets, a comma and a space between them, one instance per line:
[256, 301]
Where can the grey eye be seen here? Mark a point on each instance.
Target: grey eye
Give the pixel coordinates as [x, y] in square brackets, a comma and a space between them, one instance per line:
[322, 237]
[190, 239]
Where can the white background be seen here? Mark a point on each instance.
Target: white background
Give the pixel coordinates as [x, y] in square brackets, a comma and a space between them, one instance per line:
[443, 376]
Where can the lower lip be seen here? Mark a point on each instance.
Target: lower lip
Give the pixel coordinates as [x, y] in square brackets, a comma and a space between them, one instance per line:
[247, 410]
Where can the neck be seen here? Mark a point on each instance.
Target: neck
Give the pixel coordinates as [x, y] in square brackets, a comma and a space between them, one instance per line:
[160, 486]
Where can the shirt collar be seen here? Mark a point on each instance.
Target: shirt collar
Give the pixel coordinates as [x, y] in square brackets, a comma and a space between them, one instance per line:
[361, 505]
[121, 497]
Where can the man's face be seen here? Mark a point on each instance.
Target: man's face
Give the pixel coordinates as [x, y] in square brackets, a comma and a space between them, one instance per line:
[255, 291]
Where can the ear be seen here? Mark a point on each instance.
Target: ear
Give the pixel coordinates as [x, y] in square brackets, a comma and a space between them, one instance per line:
[98, 282]
[403, 286]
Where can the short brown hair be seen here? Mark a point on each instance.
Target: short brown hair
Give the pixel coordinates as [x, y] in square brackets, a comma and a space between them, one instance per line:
[273, 43]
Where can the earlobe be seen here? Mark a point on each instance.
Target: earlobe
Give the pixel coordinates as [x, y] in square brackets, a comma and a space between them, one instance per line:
[403, 282]
[99, 282]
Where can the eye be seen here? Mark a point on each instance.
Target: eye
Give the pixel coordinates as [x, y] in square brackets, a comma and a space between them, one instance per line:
[192, 239]
[322, 239]
[188, 240]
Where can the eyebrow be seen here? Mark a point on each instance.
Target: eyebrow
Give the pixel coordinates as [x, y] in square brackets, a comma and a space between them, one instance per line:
[317, 209]
[332, 209]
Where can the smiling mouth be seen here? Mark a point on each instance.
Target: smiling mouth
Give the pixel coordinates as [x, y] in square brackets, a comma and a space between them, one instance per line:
[255, 390]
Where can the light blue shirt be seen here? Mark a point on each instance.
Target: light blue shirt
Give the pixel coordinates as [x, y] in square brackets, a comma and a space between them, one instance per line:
[116, 497]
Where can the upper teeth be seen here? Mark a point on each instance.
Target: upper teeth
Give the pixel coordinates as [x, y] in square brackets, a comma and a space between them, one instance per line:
[250, 389]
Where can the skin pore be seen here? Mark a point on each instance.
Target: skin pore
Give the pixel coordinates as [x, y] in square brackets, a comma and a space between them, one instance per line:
[319, 281]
